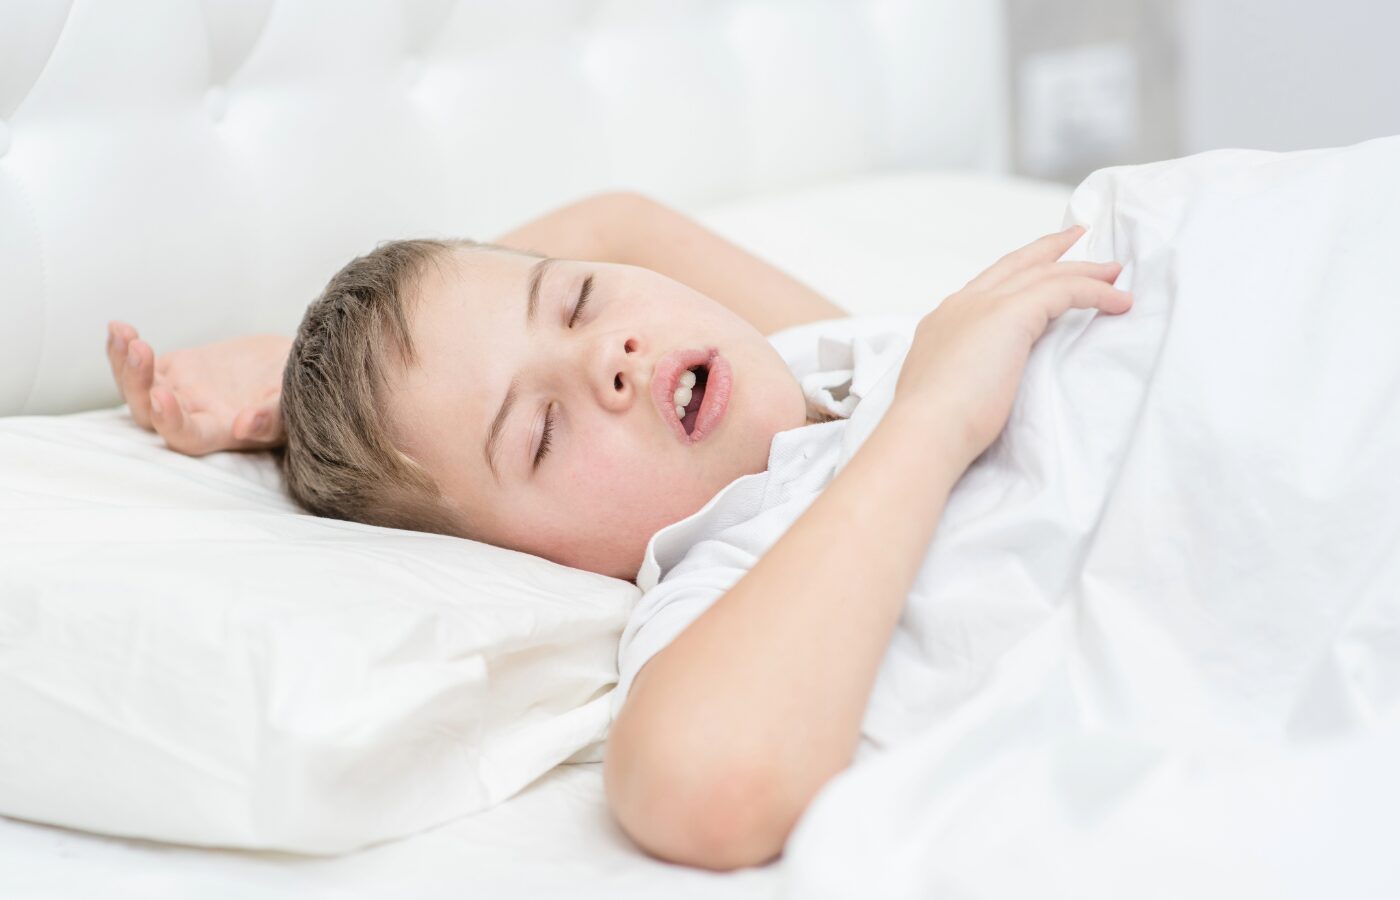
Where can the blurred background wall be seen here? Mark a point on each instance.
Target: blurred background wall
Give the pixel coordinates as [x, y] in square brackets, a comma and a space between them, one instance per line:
[1103, 82]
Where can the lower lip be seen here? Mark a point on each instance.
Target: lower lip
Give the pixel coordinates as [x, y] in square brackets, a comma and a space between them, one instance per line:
[718, 384]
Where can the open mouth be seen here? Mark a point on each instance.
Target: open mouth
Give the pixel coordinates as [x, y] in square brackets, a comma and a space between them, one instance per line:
[691, 389]
[691, 411]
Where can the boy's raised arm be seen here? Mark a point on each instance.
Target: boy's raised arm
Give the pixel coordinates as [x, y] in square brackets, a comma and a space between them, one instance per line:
[730, 731]
[632, 229]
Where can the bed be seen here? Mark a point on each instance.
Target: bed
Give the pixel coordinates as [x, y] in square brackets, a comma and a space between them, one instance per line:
[556, 838]
[201, 168]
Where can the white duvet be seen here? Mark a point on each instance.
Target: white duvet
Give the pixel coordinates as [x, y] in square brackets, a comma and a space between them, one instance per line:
[1154, 649]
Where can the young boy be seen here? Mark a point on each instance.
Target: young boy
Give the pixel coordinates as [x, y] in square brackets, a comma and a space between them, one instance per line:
[533, 394]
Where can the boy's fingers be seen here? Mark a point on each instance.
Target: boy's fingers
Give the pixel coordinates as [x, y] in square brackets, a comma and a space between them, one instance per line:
[167, 415]
[190, 433]
[1085, 293]
[277, 434]
[1044, 250]
[1106, 272]
[203, 434]
[136, 381]
[246, 425]
[116, 350]
[259, 425]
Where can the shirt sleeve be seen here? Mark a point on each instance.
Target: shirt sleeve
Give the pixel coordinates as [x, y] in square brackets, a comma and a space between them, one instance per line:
[706, 573]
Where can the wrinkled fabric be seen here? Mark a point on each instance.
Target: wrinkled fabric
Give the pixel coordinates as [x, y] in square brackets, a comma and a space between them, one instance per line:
[1154, 647]
[187, 657]
[690, 564]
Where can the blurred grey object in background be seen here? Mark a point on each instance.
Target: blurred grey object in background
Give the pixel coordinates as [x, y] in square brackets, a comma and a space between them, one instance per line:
[1106, 82]
[1093, 83]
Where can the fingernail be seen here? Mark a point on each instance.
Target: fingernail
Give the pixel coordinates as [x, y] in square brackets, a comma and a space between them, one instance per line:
[132, 359]
[155, 404]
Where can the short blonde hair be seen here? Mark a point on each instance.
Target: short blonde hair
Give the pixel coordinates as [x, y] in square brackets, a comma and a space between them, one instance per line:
[340, 460]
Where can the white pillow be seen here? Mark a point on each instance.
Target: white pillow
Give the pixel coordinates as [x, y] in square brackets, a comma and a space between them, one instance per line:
[184, 656]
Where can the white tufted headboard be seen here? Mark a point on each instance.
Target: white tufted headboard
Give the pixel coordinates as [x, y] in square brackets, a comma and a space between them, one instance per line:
[202, 167]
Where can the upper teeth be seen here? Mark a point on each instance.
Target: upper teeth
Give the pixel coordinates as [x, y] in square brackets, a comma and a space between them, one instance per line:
[683, 392]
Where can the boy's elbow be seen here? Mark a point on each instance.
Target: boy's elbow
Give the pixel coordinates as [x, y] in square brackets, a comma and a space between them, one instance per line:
[725, 820]
[733, 822]
[627, 210]
[623, 198]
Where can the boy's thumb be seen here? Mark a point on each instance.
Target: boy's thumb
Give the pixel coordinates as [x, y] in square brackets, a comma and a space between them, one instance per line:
[261, 423]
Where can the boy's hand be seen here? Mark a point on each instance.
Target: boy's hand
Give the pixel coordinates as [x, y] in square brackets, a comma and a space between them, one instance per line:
[220, 396]
[968, 354]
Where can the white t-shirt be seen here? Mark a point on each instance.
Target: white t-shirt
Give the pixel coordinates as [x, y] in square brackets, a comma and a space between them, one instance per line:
[843, 365]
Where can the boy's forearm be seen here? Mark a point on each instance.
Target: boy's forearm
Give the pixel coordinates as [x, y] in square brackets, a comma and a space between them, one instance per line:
[760, 701]
[591, 229]
[666, 241]
[632, 229]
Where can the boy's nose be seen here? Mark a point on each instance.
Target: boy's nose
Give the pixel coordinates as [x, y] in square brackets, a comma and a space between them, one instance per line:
[619, 378]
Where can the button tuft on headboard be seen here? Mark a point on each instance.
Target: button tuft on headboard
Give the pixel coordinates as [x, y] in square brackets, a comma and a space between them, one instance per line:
[232, 28]
[200, 168]
[29, 32]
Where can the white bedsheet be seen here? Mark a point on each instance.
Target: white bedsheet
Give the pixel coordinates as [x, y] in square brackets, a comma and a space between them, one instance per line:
[1154, 649]
[553, 840]
[888, 243]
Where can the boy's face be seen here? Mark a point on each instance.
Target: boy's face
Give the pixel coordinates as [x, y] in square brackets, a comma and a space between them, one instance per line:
[618, 467]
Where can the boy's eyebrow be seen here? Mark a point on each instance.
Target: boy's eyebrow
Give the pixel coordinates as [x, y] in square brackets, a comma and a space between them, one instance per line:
[494, 438]
[532, 302]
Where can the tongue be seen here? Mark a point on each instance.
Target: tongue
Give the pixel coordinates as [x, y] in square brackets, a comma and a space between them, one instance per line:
[692, 409]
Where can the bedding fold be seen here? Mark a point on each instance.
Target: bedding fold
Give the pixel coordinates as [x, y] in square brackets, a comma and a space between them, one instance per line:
[1155, 644]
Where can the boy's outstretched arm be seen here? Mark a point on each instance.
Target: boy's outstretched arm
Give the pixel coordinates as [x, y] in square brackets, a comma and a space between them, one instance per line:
[224, 396]
[219, 396]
